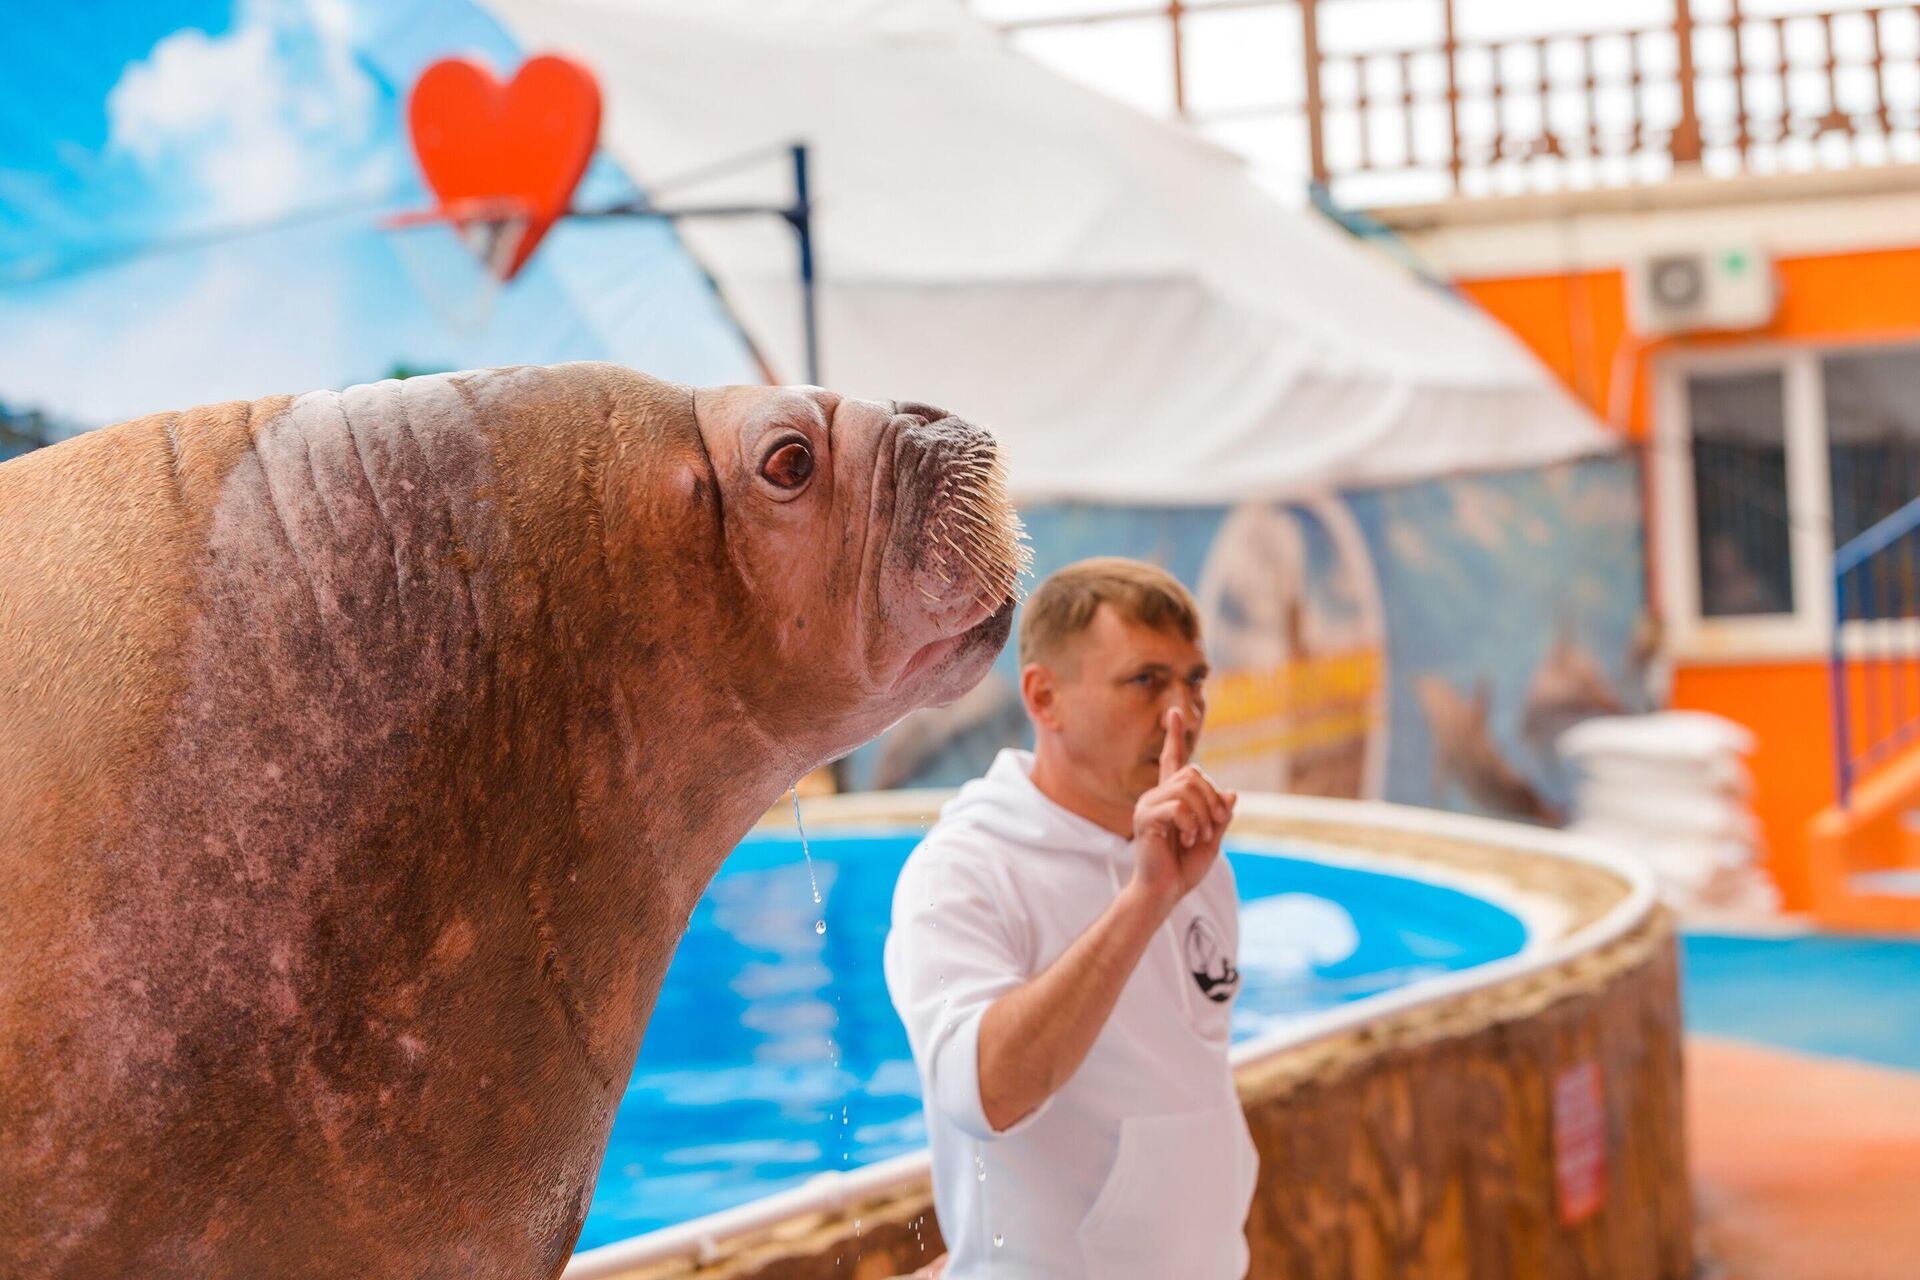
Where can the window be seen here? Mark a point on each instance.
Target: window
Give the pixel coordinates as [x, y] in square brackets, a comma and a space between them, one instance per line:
[1767, 458]
[1872, 403]
[1739, 445]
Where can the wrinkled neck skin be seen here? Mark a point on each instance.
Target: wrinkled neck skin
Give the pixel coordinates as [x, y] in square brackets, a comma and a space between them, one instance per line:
[616, 601]
[621, 606]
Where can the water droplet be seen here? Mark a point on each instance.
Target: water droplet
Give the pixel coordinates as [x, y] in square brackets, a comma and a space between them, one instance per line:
[819, 926]
[998, 1239]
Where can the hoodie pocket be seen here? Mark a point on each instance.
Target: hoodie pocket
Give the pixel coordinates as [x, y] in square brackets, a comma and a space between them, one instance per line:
[1175, 1201]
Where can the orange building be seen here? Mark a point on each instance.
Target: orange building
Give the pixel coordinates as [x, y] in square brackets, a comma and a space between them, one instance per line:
[1765, 446]
[1709, 229]
[1750, 320]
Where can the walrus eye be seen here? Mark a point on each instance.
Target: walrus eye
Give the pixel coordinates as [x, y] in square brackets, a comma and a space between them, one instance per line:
[789, 466]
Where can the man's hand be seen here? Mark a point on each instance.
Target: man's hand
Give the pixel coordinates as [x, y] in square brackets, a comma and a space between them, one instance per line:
[1178, 825]
[1036, 1036]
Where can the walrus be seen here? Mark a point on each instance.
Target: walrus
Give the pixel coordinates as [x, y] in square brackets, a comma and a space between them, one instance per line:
[363, 755]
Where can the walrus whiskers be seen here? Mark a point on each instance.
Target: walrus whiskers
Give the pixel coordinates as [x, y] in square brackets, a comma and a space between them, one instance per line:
[979, 529]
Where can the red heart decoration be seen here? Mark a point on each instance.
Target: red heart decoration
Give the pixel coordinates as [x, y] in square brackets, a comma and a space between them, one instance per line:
[525, 143]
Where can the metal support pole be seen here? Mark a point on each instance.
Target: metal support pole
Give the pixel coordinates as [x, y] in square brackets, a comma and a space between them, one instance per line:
[1174, 10]
[801, 216]
[1837, 669]
[798, 215]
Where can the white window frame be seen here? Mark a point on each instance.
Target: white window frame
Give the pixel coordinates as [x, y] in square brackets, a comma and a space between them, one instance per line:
[1807, 631]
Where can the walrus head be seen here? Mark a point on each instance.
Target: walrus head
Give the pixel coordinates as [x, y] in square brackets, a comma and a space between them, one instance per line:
[877, 546]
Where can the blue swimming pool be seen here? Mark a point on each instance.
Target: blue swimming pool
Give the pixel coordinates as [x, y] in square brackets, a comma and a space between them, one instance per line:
[774, 1054]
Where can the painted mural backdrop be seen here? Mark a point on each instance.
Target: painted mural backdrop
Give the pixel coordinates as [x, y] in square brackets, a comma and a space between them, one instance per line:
[1423, 644]
[190, 199]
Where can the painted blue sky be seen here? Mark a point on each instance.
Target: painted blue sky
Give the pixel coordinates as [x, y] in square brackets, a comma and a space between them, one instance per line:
[188, 202]
[1479, 576]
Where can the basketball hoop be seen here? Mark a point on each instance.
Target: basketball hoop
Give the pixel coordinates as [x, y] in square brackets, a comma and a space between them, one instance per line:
[503, 160]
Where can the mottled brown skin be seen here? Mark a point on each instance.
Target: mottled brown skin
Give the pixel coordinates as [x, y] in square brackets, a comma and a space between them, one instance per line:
[363, 757]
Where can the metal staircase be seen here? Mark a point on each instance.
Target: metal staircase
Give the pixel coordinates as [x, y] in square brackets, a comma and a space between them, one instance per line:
[1864, 850]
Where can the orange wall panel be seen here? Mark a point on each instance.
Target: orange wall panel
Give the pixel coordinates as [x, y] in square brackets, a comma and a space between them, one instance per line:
[1574, 323]
[1849, 297]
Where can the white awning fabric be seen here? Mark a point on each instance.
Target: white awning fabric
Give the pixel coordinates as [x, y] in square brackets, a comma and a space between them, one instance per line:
[1112, 294]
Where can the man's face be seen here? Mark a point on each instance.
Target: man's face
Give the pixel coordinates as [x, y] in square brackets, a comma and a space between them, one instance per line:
[1106, 700]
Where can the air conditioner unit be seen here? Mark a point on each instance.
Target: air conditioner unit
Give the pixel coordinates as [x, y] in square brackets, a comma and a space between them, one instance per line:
[1731, 287]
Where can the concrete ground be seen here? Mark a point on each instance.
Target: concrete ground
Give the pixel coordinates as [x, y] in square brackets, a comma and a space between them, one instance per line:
[1805, 1168]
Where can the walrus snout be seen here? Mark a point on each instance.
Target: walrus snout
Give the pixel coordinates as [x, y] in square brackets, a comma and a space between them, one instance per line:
[967, 547]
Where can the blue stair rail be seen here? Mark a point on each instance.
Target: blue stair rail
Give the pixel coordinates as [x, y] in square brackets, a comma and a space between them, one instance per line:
[1875, 662]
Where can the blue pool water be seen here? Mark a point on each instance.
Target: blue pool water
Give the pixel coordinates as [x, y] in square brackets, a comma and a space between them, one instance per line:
[773, 1053]
[1846, 997]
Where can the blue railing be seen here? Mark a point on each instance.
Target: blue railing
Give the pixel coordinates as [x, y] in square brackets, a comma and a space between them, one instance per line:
[1876, 666]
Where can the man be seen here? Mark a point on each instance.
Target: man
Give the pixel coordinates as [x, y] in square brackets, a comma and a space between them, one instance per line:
[1062, 954]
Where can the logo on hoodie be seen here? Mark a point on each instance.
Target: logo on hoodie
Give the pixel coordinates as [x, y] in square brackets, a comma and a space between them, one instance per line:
[1212, 967]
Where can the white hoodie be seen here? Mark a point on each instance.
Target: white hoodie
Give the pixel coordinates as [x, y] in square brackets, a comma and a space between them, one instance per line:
[1140, 1167]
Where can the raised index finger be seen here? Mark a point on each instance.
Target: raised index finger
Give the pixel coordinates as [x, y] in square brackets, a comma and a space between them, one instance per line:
[1173, 751]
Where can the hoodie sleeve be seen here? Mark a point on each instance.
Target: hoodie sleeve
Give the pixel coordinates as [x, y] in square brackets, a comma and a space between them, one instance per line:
[952, 951]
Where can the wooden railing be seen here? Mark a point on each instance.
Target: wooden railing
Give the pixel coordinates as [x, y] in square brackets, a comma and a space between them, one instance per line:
[1727, 95]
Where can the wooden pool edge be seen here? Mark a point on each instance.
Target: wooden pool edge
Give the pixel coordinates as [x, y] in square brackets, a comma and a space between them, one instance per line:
[1450, 1136]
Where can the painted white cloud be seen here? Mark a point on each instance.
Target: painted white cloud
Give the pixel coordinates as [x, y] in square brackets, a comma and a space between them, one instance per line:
[1410, 543]
[173, 331]
[272, 116]
[1482, 513]
[1607, 505]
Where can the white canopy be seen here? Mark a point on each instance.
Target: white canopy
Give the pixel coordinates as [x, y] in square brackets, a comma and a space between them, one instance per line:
[1112, 294]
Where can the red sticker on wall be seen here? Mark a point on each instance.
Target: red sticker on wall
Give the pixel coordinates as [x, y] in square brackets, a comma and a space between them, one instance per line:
[1580, 1142]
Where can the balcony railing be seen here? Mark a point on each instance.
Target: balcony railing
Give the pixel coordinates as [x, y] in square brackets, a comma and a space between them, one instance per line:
[1730, 94]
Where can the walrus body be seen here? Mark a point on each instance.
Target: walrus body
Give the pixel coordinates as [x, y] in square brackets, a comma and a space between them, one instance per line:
[363, 757]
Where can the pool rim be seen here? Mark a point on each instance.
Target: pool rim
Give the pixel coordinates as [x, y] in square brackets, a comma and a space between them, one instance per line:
[833, 1191]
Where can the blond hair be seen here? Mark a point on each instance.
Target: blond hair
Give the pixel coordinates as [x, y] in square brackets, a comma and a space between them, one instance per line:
[1063, 606]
